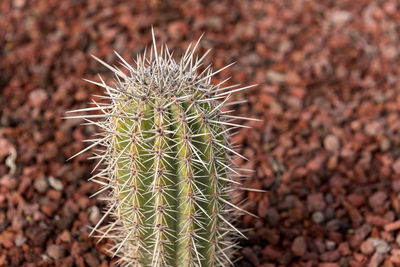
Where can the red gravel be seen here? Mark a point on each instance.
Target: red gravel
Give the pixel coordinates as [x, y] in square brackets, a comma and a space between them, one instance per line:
[327, 150]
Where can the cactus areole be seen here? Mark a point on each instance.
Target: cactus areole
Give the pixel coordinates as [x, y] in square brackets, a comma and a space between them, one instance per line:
[166, 162]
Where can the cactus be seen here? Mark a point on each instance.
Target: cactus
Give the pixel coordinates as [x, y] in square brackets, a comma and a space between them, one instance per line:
[167, 162]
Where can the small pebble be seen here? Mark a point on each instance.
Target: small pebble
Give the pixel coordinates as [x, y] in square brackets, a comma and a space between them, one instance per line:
[318, 217]
[316, 202]
[249, 254]
[94, 213]
[299, 246]
[55, 251]
[380, 245]
[396, 186]
[330, 245]
[396, 166]
[392, 226]
[376, 260]
[55, 183]
[332, 143]
[37, 97]
[330, 256]
[377, 199]
[41, 184]
[8, 181]
[367, 248]
[20, 240]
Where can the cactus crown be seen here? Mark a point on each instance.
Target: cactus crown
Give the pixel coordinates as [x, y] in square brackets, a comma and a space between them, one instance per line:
[167, 162]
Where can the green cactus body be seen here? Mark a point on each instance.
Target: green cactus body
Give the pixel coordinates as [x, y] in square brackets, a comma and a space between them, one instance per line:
[168, 164]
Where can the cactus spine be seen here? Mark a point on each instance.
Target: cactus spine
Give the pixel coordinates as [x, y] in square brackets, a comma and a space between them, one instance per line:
[164, 145]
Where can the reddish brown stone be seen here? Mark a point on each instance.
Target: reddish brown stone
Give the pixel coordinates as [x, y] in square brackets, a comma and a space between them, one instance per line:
[392, 226]
[299, 246]
[377, 200]
[376, 259]
[367, 248]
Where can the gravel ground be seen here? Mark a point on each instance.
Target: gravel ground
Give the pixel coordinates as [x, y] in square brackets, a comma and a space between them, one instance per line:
[327, 150]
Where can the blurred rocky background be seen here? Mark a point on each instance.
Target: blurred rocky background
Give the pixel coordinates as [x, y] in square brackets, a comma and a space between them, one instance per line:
[327, 150]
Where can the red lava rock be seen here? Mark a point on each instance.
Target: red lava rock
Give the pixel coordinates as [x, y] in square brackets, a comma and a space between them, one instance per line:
[299, 246]
[354, 214]
[8, 182]
[77, 249]
[67, 262]
[395, 260]
[271, 253]
[177, 29]
[332, 163]
[367, 248]
[53, 194]
[396, 166]
[249, 254]
[271, 235]
[5, 147]
[24, 185]
[344, 249]
[386, 236]
[41, 184]
[356, 264]
[3, 260]
[297, 91]
[16, 256]
[392, 226]
[396, 184]
[286, 258]
[80, 262]
[37, 235]
[263, 206]
[376, 220]
[372, 128]
[81, 95]
[377, 200]
[55, 251]
[380, 245]
[328, 264]
[332, 143]
[356, 200]
[376, 259]
[316, 163]
[20, 240]
[360, 234]
[319, 244]
[316, 202]
[267, 265]
[83, 202]
[272, 216]
[18, 223]
[92, 260]
[395, 252]
[7, 243]
[360, 257]
[65, 236]
[49, 208]
[37, 97]
[330, 256]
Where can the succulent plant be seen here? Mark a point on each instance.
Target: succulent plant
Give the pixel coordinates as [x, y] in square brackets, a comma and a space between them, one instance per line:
[167, 161]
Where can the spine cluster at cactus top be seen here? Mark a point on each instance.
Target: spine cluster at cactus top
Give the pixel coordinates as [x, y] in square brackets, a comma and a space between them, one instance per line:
[168, 162]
